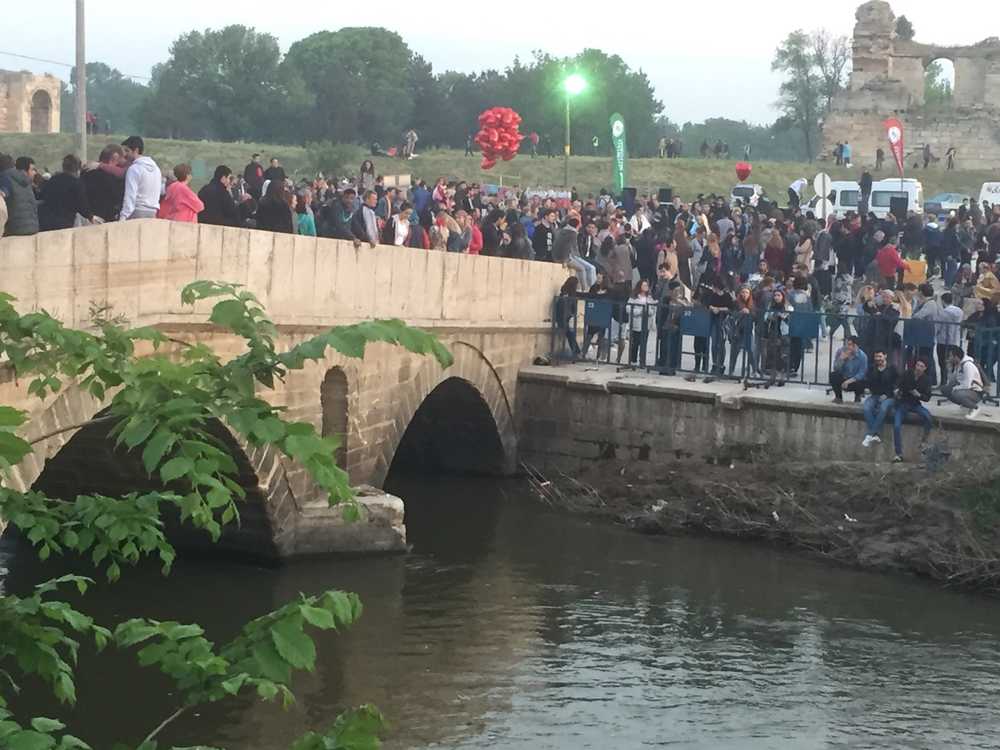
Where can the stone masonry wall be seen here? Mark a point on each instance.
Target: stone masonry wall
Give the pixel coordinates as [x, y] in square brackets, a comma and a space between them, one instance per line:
[565, 424]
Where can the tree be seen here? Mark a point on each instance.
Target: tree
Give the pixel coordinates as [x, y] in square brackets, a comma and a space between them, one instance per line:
[831, 56]
[115, 98]
[904, 29]
[801, 99]
[937, 86]
[162, 409]
[223, 84]
[359, 83]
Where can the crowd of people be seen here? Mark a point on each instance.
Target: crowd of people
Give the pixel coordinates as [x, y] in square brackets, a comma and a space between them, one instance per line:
[737, 279]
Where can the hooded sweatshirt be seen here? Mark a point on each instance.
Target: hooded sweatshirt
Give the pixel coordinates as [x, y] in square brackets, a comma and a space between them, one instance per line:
[142, 190]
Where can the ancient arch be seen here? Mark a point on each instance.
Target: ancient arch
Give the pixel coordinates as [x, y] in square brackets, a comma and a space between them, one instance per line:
[72, 460]
[334, 407]
[464, 408]
[41, 112]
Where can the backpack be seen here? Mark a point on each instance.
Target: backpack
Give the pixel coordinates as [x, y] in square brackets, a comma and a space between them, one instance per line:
[389, 232]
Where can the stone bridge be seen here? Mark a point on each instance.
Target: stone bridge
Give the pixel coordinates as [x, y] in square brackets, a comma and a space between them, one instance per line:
[391, 407]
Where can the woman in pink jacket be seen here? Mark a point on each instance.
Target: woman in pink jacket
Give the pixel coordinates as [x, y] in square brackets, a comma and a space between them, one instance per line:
[180, 203]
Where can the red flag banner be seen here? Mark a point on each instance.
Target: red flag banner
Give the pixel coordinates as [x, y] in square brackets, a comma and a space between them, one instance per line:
[894, 131]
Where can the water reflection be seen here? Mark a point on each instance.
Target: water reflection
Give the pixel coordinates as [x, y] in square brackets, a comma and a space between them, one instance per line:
[509, 627]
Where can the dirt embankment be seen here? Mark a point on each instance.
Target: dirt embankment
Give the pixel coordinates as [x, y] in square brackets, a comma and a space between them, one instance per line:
[942, 524]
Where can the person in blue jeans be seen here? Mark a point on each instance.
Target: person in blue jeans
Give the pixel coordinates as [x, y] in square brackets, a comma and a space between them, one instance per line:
[913, 391]
[881, 382]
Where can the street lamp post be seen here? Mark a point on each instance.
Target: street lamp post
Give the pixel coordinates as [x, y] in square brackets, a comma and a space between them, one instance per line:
[573, 85]
[80, 84]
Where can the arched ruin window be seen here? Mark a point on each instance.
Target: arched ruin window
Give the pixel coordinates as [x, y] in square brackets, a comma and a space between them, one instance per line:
[939, 83]
[41, 112]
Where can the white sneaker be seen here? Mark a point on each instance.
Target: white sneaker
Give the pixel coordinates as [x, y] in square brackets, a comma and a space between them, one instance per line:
[876, 439]
[973, 414]
[867, 441]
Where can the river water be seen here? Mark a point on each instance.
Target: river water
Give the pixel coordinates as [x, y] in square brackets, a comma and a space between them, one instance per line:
[512, 627]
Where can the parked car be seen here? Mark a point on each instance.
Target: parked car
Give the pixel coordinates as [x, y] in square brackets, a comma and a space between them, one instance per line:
[942, 204]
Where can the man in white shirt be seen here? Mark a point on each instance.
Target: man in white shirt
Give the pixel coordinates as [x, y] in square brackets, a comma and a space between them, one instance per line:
[143, 182]
[965, 386]
[795, 192]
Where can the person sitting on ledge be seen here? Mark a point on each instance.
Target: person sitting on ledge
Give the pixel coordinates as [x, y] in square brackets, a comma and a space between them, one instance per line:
[965, 385]
[914, 387]
[849, 367]
[881, 381]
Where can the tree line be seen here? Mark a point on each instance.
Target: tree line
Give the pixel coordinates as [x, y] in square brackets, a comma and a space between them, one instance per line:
[359, 85]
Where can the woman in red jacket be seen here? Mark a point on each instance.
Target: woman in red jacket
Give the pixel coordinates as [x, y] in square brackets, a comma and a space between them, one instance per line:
[180, 203]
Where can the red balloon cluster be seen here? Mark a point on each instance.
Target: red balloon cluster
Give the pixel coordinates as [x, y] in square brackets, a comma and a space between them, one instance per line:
[743, 170]
[498, 136]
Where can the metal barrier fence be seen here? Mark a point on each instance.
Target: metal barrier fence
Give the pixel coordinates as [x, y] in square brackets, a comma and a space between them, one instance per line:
[798, 346]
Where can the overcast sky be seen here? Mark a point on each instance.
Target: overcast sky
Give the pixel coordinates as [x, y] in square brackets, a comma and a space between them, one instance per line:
[716, 66]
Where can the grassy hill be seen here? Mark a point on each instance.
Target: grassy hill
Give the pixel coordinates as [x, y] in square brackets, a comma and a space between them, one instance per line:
[588, 174]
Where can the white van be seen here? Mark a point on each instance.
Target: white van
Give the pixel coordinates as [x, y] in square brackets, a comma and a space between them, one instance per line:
[846, 195]
[746, 195]
[990, 193]
[884, 191]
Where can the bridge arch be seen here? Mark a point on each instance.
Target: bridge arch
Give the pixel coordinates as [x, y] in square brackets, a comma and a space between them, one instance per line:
[74, 455]
[459, 419]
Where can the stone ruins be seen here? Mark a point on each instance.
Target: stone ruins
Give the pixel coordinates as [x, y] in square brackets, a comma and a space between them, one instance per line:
[28, 103]
[888, 79]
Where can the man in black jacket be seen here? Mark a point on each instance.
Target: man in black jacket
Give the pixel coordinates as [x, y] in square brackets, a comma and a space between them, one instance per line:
[914, 387]
[253, 174]
[220, 209]
[105, 190]
[336, 218]
[881, 381]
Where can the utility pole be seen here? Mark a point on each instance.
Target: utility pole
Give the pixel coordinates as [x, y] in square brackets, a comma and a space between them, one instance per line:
[80, 85]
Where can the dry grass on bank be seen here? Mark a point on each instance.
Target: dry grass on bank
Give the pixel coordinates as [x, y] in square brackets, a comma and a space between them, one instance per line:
[941, 525]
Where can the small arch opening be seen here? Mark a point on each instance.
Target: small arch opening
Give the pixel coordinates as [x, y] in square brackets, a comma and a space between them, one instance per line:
[333, 404]
[939, 83]
[41, 112]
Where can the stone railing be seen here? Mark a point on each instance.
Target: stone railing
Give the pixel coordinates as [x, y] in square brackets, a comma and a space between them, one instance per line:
[139, 267]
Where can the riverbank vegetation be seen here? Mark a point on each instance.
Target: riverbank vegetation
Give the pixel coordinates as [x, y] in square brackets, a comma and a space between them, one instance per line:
[940, 522]
[163, 396]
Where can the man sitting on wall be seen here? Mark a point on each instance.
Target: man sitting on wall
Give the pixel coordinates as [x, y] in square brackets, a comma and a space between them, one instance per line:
[913, 389]
[881, 381]
[849, 367]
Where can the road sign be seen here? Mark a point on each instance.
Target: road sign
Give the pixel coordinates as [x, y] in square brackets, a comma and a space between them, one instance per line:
[821, 184]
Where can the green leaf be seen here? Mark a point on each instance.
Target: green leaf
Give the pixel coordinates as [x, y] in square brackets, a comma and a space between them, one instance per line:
[10, 417]
[28, 740]
[137, 431]
[317, 617]
[228, 313]
[176, 468]
[12, 448]
[48, 726]
[295, 647]
[156, 448]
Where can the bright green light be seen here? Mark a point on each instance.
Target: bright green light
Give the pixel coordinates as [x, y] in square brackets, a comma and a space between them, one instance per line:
[574, 84]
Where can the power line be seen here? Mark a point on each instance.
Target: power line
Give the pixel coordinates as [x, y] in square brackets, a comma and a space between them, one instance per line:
[65, 65]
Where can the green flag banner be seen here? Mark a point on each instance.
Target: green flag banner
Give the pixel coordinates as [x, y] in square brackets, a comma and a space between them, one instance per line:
[620, 152]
